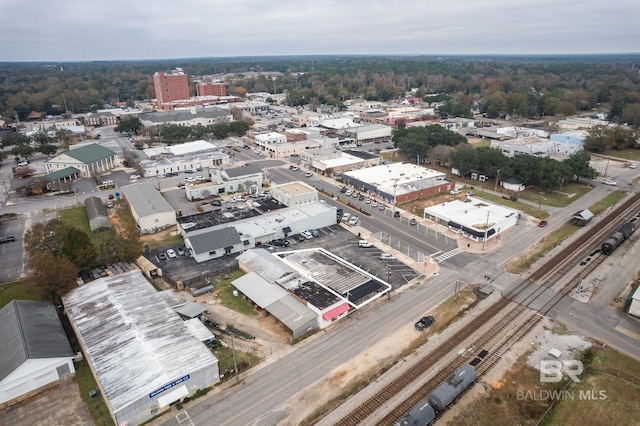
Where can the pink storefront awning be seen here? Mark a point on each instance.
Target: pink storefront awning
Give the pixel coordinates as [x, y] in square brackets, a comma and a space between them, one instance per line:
[338, 310]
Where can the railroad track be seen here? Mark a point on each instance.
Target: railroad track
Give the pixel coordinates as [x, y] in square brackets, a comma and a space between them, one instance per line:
[546, 276]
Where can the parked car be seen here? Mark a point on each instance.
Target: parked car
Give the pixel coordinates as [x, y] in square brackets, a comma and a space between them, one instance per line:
[181, 251]
[387, 256]
[4, 240]
[280, 242]
[374, 204]
[396, 214]
[190, 179]
[381, 207]
[308, 235]
[299, 238]
[343, 189]
[295, 168]
[633, 166]
[348, 192]
[542, 223]
[134, 177]
[609, 182]
[111, 196]
[346, 216]
[216, 203]
[23, 163]
[109, 204]
[364, 244]
[171, 253]
[455, 192]
[413, 221]
[308, 174]
[162, 256]
[339, 213]
[425, 322]
[353, 220]
[107, 182]
[314, 232]
[238, 199]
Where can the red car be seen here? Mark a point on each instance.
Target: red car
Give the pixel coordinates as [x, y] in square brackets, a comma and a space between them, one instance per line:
[542, 223]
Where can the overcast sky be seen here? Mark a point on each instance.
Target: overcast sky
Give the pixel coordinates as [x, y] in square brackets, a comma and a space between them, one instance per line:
[71, 30]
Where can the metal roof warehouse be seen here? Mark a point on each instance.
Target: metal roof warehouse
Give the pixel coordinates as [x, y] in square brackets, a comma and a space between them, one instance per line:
[140, 351]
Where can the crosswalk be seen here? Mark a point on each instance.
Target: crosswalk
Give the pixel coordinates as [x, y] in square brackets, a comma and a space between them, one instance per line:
[444, 256]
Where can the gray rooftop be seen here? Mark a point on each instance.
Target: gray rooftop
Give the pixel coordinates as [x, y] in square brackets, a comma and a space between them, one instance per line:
[214, 240]
[132, 338]
[145, 199]
[30, 329]
[95, 208]
[183, 115]
[249, 169]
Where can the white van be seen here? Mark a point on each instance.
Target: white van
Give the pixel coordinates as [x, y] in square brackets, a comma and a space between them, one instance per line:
[364, 243]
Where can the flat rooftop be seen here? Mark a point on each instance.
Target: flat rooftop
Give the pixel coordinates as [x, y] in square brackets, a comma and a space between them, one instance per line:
[398, 178]
[472, 213]
[295, 188]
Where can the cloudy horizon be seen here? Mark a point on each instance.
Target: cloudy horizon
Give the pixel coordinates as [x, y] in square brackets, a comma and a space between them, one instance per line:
[83, 31]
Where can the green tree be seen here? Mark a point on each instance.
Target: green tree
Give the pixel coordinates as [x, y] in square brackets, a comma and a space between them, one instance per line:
[64, 138]
[41, 137]
[578, 165]
[600, 139]
[52, 276]
[24, 151]
[77, 247]
[14, 138]
[47, 149]
[129, 124]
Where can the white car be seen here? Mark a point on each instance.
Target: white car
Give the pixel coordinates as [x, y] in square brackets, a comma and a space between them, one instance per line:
[134, 177]
[308, 174]
[238, 199]
[306, 234]
[349, 192]
[190, 179]
[387, 256]
[200, 178]
[633, 166]
[455, 192]
[346, 216]
[171, 253]
[295, 168]
[353, 220]
[609, 182]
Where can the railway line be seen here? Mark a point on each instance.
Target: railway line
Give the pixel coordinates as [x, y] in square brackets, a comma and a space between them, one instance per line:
[511, 316]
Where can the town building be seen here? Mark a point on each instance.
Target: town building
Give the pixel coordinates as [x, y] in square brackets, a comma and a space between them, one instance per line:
[225, 237]
[186, 117]
[151, 212]
[197, 156]
[90, 160]
[35, 353]
[308, 289]
[244, 179]
[294, 193]
[171, 87]
[97, 214]
[101, 119]
[634, 307]
[536, 146]
[369, 133]
[474, 218]
[332, 162]
[140, 351]
[398, 182]
[209, 88]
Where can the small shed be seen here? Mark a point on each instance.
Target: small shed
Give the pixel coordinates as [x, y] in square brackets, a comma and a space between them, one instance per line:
[513, 184]
[581, 218]
[634, 307]
[97, 213]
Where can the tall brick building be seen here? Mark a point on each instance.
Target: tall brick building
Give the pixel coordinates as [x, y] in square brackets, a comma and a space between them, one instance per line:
[171, 87]
[211, 89]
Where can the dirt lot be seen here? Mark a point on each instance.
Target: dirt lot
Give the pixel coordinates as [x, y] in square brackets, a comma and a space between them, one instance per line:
[60, 405]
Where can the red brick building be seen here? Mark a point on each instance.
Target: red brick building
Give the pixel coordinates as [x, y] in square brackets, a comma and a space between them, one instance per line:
[211, 89]
[171, 87]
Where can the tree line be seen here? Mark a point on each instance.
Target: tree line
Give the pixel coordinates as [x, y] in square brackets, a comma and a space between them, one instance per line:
[524, 87]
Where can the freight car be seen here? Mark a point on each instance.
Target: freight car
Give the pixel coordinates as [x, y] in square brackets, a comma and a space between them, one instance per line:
[617, 238]
[440, 398]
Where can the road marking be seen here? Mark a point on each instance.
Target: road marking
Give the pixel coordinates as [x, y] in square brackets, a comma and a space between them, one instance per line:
[448, 254]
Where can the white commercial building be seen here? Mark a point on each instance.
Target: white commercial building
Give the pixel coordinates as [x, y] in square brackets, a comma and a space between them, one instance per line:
[142, 354]
[474, 218]
[226, 181]
[34, 353]
[534, 145]
[150, 210]
[234, 237]
[369, 133]
[294, 193]
[634, 308]
[186, 157]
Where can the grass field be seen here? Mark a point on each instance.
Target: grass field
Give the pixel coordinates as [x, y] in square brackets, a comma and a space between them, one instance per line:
[15, 291]
[244, 360]
[224, 293]
[76, 216]
[97, 407]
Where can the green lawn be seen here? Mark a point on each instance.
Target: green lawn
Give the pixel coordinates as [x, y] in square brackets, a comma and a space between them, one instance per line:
[224, 292]
[97, 407]
[606, 202]
[545, 245]
[15, 291]
[244, 360]
[77, 216]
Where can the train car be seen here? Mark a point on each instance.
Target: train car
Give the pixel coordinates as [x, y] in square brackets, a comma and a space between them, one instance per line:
[617, 238]
[422, 415]
[452, 387]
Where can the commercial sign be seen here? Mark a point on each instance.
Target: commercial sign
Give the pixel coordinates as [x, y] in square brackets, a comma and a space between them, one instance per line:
[169, 385]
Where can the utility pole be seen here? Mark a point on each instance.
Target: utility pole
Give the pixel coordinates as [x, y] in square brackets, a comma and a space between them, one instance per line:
[486, 225]
[495, 187]
[233, 350]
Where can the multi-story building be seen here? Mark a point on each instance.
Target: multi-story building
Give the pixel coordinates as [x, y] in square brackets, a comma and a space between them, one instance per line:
[171, 87]
[209, 88]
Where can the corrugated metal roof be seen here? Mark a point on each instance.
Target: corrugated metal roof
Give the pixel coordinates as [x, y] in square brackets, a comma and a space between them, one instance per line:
[61, 174]
[30, 329]
[145, 199]
[133, 339]
[199, 330]
[214, 240]
[190, 309]
[259, 290]
[291, 312]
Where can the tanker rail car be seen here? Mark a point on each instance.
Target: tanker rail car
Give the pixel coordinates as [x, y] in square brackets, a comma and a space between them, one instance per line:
[425, 413]
[617, 238]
